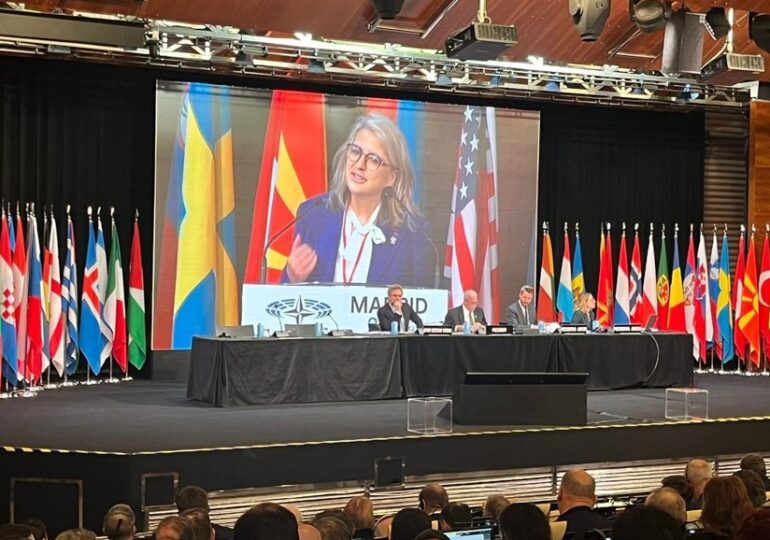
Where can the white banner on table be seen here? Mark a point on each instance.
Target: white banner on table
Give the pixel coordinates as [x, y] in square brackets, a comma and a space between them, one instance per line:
[334, 306]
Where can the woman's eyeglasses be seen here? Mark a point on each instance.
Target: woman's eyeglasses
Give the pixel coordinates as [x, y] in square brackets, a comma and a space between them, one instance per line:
[372, 161]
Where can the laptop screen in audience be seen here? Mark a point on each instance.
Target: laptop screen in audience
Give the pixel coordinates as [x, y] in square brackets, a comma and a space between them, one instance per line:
[482, 533]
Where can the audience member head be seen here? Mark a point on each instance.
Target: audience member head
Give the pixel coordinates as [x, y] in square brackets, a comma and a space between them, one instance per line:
[523, 521]
[494, 505]
[753, 462]
[455, 515]
[680, 484]
[200, 522]
[755, 527]
[407, 524]
[669, 501]
[725, 505]
[754, 485]
[333, 527]
[433, 498]
[577, 489]
[308, 532]
[294, 509]
[76, 534]
[646, 523]
[119, 523]
[266, 521]
[698, 472]
[361, 512]
[39, 530]
[12, 531]
[174, 528]
[430, 534]
[191, 497]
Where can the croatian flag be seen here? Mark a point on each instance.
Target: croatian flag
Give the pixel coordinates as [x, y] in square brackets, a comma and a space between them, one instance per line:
[8, 321]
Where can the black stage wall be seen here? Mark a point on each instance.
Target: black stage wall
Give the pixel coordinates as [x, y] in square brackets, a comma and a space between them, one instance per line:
[84, 134]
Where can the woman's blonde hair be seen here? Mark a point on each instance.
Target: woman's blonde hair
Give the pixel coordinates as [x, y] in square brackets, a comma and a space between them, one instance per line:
[396, 156]
[582, 299]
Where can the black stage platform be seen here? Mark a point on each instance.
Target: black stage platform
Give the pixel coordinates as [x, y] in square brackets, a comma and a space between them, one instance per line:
[108, 436]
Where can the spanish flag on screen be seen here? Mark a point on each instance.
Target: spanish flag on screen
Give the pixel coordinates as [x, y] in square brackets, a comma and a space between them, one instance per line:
[197, 286]
[293, 170]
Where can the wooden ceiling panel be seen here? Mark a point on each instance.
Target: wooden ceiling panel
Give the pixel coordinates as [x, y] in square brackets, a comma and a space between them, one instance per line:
[545, 27]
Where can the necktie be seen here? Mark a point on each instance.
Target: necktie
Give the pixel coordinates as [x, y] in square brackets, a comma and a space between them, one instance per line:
[526, 315]
[473, 320]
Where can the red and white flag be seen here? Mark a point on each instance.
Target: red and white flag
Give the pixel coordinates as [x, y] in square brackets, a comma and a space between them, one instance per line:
[635, 281]
[650, 289]
[55, 321]
[471, 254]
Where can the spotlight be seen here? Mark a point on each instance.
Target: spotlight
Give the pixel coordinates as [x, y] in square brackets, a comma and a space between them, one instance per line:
[717, 23]
[552, 86]
[316, 66]
[649, 15]
[759, 30]
[387, 9]
[242, 59]
[589, 17]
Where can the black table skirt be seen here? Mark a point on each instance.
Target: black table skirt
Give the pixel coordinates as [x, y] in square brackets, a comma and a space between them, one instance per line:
[232, 372]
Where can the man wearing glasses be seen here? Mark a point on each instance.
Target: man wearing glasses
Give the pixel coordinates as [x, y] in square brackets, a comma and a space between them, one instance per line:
[366, 229]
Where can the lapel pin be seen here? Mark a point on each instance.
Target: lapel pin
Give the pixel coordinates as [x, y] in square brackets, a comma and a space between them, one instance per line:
[392, 240]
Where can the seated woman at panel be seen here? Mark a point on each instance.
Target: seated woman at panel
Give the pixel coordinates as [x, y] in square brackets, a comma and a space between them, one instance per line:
[366, 229]
[584, 309]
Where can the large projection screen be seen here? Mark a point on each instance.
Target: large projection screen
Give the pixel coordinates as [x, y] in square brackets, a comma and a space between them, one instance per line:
[278, 207]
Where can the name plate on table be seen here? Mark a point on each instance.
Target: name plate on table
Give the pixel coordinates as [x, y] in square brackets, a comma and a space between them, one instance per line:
[436, 330]
[334, 306]
[626, 328]
[574, 329]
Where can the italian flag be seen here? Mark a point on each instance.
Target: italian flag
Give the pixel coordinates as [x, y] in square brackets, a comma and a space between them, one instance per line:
[115, 304]
[137, 341]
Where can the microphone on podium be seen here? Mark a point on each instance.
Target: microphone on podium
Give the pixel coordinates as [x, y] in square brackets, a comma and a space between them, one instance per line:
[389, 193]
[263, 269]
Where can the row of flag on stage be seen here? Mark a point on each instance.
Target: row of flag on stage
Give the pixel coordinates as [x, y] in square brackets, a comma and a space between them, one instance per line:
[731, 316]
[42, 326]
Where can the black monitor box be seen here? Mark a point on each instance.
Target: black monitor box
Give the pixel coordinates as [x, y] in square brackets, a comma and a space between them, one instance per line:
[520, 399]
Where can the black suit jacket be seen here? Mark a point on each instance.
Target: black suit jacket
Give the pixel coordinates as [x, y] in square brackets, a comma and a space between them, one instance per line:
[386, 315]
[456, 316]
[582, 519]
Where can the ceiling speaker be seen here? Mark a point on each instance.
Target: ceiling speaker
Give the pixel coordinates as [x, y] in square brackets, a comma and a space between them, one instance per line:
[388, 9]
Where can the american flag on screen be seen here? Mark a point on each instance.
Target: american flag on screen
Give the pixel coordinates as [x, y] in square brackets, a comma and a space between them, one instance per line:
[471, 254]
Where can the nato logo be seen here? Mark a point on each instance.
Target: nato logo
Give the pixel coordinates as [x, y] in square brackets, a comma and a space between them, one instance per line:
[298, 309]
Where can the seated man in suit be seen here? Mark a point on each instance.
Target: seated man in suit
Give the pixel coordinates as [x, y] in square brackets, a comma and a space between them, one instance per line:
[519, 313]
[468, 311]
[397, 310]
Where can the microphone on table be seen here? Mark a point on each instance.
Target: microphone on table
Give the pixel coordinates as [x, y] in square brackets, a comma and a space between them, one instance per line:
[389, 193]
[276, 236]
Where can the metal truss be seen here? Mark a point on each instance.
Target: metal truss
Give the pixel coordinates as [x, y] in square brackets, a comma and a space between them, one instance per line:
[228, 51]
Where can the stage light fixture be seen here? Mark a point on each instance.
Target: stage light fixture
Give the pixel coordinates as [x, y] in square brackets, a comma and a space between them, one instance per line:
[717, 23]
[589, 17]
[387, 9]
[649, 15]
[759, 30]
[242, 59]
[316, 66]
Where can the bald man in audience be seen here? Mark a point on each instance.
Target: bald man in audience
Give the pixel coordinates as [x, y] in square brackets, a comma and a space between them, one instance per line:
[698, 472]
[669, 501]
[361, 513]
[577, 496]
[494, 505]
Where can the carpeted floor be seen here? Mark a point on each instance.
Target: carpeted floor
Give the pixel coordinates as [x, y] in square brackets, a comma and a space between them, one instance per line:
[147, 416]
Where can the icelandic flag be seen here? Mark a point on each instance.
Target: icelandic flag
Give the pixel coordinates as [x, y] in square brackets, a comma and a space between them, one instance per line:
[724, 306]
[101, 262]
[70, 302]
[622, 302]
[91, 308]
[564, 299]
[8, 321]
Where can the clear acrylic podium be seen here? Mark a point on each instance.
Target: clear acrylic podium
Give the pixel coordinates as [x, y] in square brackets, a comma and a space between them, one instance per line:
[429, 415]
[687, 404]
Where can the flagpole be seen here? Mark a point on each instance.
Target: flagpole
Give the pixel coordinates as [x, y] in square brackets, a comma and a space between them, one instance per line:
[763, 341]
[27, 390]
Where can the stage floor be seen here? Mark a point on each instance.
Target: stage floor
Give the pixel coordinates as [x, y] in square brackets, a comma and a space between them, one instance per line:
[150, 417]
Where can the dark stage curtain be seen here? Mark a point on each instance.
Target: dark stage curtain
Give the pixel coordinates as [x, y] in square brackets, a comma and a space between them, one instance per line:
[610, 164]
[82, 135]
